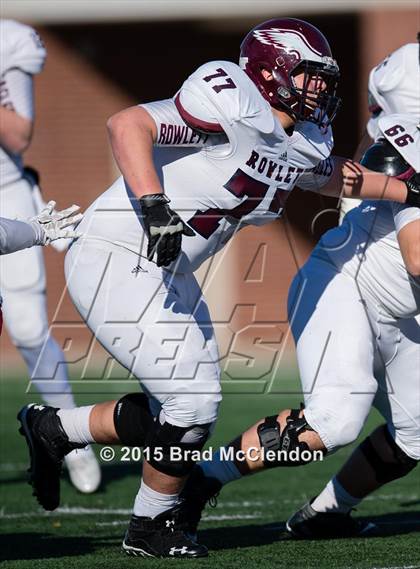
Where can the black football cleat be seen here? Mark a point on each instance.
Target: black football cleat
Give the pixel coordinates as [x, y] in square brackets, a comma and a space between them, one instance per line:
[198, 491]
[307, 523]
[48, 444]
[163, 536]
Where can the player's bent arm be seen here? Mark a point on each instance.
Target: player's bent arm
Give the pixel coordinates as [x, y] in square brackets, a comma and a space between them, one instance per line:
[409, 241]
[16, 235]
[352, 180]
[15, 131]
[132, 133]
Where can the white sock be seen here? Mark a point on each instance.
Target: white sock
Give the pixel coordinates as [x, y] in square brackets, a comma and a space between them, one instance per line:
[334, 498]
[149, 503]
[76, 424]
[47, 369]
[223, 470]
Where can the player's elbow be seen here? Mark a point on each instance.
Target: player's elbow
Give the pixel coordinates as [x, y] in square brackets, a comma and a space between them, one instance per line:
[412, 259]
[18, 141]
[116, 123]
[24, 140]
[127, 120]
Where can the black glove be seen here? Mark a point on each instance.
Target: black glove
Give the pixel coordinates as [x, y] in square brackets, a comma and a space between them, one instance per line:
[164, 229]
[413, 190]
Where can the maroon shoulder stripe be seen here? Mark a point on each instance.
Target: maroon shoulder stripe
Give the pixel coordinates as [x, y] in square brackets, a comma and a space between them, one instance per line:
[194, 122]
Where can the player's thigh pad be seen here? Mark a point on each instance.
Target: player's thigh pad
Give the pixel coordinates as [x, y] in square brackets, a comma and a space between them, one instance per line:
[335, 350]
[398, 397]
[24, 270]
[25, 317]
[145, 319]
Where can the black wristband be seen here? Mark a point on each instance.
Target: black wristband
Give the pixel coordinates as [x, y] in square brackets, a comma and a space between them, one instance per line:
[150, 200]
[413, 194]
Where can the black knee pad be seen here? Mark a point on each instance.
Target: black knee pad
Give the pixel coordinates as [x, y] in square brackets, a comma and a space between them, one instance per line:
[387, 471]
[133, 419]
[284, 448]
[171, 449]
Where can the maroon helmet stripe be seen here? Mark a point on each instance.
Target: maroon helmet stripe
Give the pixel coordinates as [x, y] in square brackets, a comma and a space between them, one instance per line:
[194, 122]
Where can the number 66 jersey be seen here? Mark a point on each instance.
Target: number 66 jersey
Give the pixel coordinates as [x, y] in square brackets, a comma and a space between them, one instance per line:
[223, 159]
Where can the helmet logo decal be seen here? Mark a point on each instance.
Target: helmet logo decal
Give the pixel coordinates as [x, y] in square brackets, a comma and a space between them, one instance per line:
[291, 41]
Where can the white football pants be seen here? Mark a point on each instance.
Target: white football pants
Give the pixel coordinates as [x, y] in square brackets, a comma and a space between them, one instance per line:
[156, 324]
[352, 354]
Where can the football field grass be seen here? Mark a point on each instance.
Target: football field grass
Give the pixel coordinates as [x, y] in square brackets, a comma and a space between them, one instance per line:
[242, 532]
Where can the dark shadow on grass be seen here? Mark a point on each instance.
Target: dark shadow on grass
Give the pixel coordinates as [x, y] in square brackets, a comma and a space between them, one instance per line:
[410, 503]
[240, 536]
[396, 523]
[32, 545]
[110, 473]
[388, 525]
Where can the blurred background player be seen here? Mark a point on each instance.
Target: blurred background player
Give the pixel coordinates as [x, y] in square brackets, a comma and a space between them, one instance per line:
[394, 87]
[351, 311]
[229, 147]
[22, 276]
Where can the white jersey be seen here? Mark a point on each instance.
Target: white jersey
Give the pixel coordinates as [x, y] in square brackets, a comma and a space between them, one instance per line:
[22, 55]
[394, 86]
[366, 247]
[223, 160]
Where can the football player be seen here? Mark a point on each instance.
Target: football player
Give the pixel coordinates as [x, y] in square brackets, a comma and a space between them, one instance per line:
[351, 311]
[394, 86]
[22, 276]
[222, 154]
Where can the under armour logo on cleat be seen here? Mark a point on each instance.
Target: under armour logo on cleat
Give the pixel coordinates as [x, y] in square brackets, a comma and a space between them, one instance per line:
[38, 407]
[170, 523]
[181, 550]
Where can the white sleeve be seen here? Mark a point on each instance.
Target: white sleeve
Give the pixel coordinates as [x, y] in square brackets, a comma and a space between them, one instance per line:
[315, 179]
[16, 235]
[217, 95]
[16, 93]
[404, 214]
[20, 48]
[171, 128]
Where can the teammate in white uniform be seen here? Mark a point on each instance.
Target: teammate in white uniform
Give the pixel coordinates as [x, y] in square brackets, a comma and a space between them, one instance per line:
[394, 87]
[22, 276]
[225, 152]
[351, 309]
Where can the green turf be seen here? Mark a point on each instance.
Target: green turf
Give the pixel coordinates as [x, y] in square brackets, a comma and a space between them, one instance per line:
[255, 508]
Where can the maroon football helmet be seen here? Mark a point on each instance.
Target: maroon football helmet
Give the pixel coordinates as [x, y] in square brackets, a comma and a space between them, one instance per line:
[286, 48]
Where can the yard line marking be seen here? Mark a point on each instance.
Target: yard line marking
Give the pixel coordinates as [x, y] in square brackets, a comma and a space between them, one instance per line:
[118, 511]
[214, 518]
[67, 511]
[399, 567]
[204, 519]
[80, 511]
